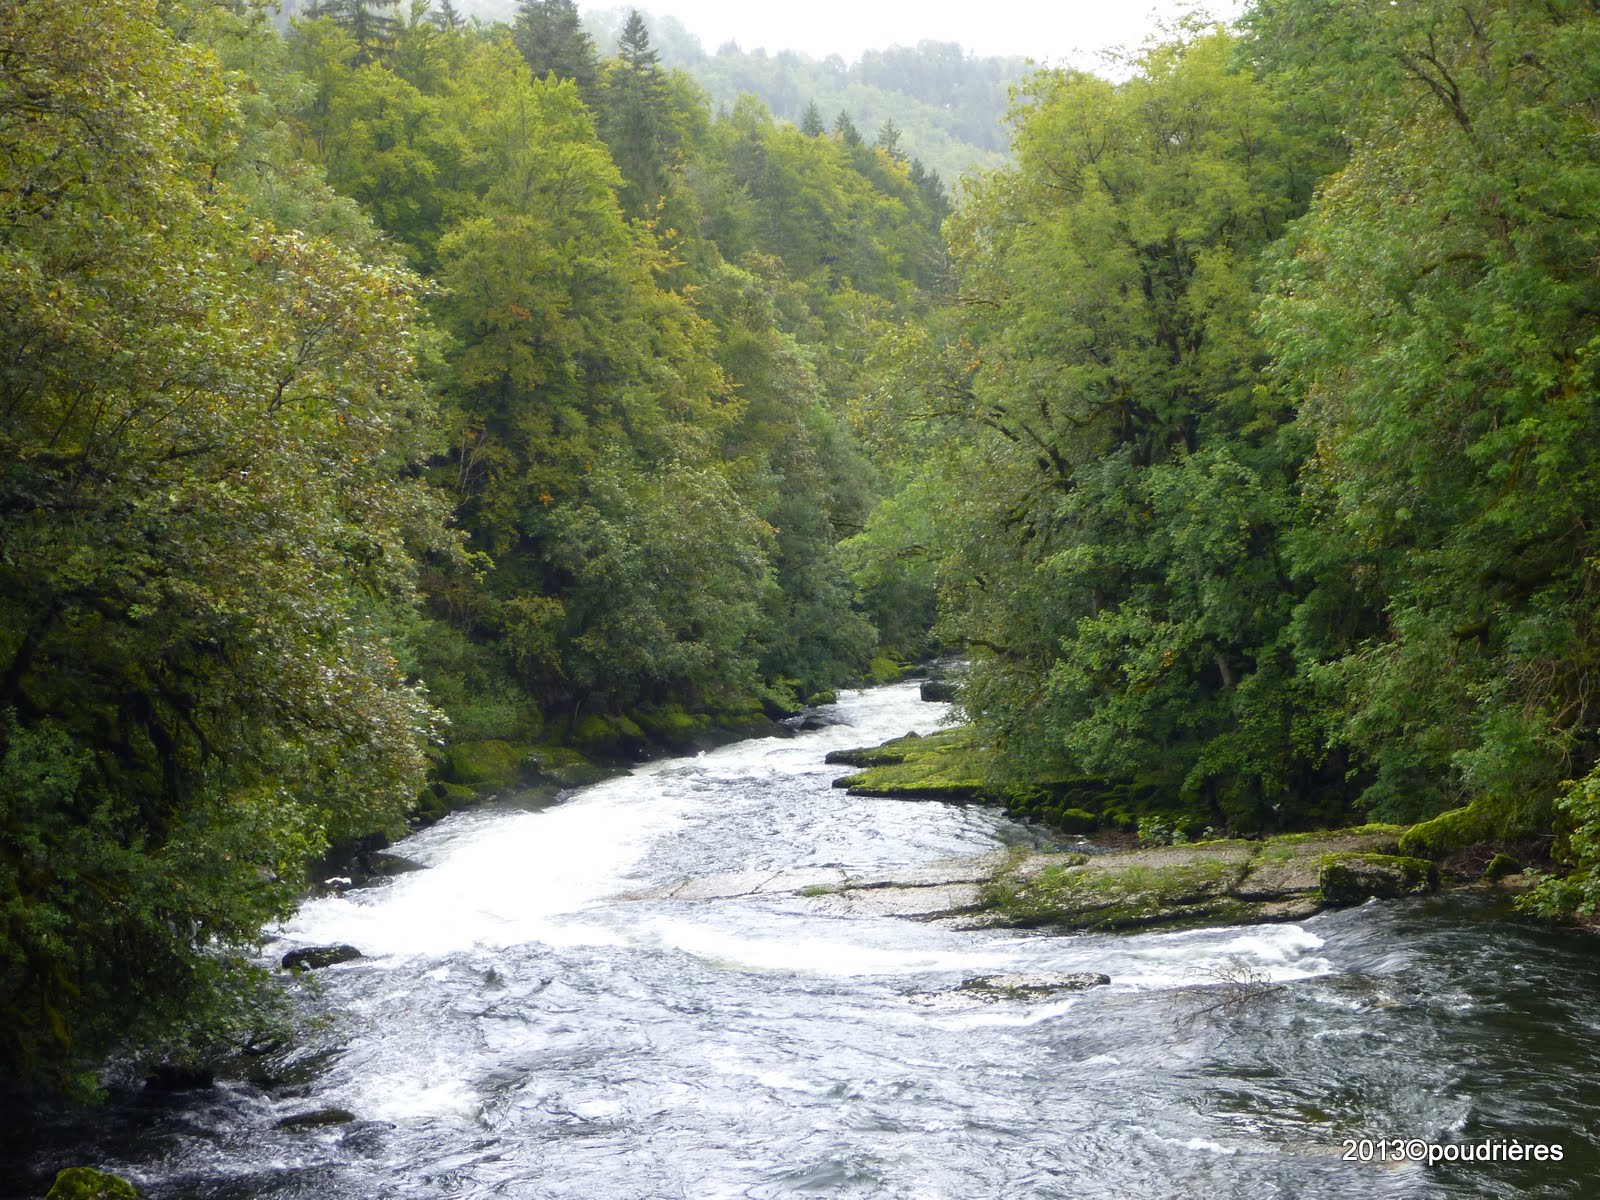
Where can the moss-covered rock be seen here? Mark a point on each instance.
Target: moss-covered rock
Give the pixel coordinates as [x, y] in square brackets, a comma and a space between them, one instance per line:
[1118, 891]
[1501, 866]
[1451, 831]
[85, 1183]
[1072, 820]
[673, 727]
[885, 670]
[1347, 879]
[485, 765]
[949, 765]
[600, 735]
[827, 696]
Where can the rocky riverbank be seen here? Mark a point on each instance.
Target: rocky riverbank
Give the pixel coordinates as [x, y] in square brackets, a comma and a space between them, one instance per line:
[1220, 882]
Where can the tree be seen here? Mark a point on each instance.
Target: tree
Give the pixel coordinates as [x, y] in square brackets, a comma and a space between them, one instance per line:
[635, 121]
[888, 140]
[811, 123]
[209, 527]
[371, 24]
[845, 129]
[550, 35]
[1436, 320]
[1113, 554]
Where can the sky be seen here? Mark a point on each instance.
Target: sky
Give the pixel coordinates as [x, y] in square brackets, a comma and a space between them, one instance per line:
[1063, 32]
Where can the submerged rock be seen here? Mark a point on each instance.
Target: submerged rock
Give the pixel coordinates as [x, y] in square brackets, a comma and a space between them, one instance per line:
[1019, 986]
[85, 1183]
[175, 1077]
[311, 958]
[317, 1119]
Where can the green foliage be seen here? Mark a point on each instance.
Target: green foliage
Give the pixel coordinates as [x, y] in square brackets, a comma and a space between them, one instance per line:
[1436, 314]
[208, 525]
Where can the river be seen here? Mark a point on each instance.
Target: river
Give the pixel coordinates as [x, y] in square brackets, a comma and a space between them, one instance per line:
[520, 1028]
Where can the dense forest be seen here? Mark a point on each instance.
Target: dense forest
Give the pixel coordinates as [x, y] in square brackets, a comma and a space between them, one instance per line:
[393, 399]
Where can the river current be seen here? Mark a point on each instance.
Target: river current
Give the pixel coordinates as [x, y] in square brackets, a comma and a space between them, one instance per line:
[520, 1028]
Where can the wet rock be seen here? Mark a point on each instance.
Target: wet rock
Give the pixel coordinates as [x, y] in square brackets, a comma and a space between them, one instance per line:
[378, 862]
[176, 1077]
[1348, 879]
[1285, 878]
[1024, 986]
[942, 691]
[317, 1119]
[923, 903]
[312, 958]
[85, 1183]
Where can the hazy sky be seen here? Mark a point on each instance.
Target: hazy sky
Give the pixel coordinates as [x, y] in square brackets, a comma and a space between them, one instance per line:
[1058, 32]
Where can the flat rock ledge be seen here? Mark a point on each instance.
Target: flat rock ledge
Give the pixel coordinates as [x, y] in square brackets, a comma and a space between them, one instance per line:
[1285, 878]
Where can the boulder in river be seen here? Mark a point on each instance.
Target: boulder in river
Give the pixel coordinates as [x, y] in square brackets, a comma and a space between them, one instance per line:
[1017, 987]
[85, 1183]
[937, 690]
[311, 958]
[317, 1119]
[180, 1077]
[1348, 879]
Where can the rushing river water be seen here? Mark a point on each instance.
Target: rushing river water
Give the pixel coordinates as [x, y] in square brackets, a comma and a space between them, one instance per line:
[520, 1029]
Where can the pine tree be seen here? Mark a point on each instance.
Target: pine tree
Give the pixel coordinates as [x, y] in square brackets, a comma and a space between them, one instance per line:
[811, 124]
[550, 35]
[888, 140]
[633, 47]
[634, 106]
[845, 128]
[370, 23]
[448, 17]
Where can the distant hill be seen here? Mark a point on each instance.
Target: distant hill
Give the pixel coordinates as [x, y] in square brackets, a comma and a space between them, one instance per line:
[948, 105]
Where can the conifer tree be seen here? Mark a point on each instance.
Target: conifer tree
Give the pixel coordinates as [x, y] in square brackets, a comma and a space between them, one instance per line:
[634, 105]
[371, 24]
[811, 123]
[550, 35]
[888, 140]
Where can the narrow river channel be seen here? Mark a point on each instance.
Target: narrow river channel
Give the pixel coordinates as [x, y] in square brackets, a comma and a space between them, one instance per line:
[520, 1028]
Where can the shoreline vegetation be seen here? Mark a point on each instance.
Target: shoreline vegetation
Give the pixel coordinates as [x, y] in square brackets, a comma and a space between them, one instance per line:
[396, 408]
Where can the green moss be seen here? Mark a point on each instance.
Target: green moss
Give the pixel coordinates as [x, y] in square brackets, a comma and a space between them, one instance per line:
[601, 735]
[1100, 895]
[824, 697]
[485, 765]
[1072, 820]
[85, 1183]
[671, 726]
[948, 765]
[1500, 866]
[885, 670]
[1347, 879]
[1457, 829]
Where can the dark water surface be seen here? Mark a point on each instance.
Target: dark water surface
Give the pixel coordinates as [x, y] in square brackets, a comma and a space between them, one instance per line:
[518, 1030]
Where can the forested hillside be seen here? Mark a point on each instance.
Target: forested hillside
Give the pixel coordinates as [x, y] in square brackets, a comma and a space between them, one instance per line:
[382, 400]
[945, 107]
[1255, 460]
[393, 400]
